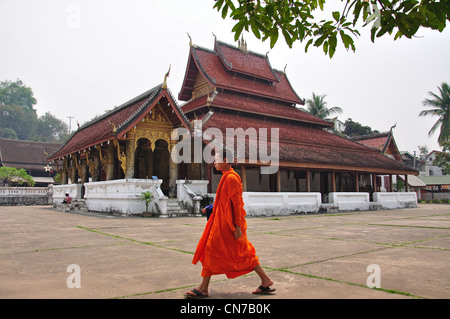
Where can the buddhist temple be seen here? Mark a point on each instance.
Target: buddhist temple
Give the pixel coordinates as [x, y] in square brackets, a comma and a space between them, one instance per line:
[241, 90]
[131, 141]
[227, 88]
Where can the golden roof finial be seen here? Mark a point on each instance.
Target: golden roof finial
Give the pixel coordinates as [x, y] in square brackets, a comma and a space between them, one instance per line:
[190, 39]
[164, 85]
[285, 69]
[242, 45]
[215, 38]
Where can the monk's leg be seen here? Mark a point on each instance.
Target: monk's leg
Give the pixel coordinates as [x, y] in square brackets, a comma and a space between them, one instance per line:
[265, 280]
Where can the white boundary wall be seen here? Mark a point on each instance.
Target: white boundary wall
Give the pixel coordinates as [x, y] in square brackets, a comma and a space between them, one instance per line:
[269, 204]
[121, 196]
[350, 201]
[396, 200]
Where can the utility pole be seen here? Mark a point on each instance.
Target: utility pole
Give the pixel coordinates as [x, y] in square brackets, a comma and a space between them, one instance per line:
[70, 122]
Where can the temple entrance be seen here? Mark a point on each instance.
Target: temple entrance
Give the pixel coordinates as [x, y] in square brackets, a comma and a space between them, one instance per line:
[143, 167]
[152, 161]
[161, 158]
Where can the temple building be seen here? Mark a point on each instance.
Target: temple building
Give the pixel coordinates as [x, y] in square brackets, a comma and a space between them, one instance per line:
[131, 141]
[226, 89]
[241, 90]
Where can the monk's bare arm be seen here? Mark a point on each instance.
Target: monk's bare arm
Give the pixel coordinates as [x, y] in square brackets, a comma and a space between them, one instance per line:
[235, 194]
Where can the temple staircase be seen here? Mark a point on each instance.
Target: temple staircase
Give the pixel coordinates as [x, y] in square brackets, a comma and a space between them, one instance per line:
[175, 209]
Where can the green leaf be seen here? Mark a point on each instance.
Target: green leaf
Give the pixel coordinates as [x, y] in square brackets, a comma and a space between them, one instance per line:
[325, 47]
[308, 44]
[224, 11]
[336, 15]
[273, 38]
[237, 29]
[218, 4]
[255, 30]
[287, 37]
[347, 40]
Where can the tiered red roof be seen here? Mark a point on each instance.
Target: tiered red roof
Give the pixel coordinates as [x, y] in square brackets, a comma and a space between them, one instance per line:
[247, 63]
[209, 64]
[248, 93]
[114, 124]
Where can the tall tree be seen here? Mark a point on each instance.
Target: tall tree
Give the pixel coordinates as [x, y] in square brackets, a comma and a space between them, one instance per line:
[51, 129]
[318, 107]
[439, 106]
[296, 19]
[16, 93]
[17, 121]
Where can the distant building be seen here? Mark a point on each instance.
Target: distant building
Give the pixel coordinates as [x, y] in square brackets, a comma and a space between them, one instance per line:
[426, 167]
[30, 156]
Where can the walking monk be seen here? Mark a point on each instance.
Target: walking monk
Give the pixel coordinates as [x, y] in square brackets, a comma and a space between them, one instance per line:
[223, 247]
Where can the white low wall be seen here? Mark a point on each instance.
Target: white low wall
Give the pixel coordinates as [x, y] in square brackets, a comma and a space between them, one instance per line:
[59, 191]
[122, 196]
[12, 196]
[350, 201]
[269, 204]
[396, 200]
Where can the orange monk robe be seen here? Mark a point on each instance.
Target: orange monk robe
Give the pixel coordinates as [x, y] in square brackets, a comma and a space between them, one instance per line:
[217, 249]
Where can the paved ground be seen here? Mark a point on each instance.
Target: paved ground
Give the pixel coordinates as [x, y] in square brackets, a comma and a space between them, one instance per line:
[307, 256]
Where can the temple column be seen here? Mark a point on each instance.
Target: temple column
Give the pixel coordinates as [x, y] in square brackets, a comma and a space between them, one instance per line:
[97, 169]
[130, 150]
[73, 174]
[390, 183]
[278, 179]
[374, 182]
[173, 174]
[244, 178]
[84, 174]
[64, 177]
[406, 183]
[356, 182]
[308, 181]
[109, 162]
[333, 181]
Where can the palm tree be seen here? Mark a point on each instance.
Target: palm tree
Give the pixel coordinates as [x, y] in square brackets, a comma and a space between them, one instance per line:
[440, 106]
[318, 107]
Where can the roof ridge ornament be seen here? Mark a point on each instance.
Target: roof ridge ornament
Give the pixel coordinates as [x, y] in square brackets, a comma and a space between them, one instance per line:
[164, 85]
[242, 45]
[190, 41]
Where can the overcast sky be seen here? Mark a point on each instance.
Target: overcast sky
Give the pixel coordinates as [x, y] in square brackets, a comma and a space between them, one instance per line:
[82, 58]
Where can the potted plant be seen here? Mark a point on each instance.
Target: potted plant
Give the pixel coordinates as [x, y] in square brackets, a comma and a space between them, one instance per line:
[147, 197]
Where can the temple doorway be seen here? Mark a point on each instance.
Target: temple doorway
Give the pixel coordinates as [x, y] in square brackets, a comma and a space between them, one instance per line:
[161, 158]
[152, 161]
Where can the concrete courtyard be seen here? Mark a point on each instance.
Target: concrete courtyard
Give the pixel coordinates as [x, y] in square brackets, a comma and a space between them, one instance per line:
[43, 252]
